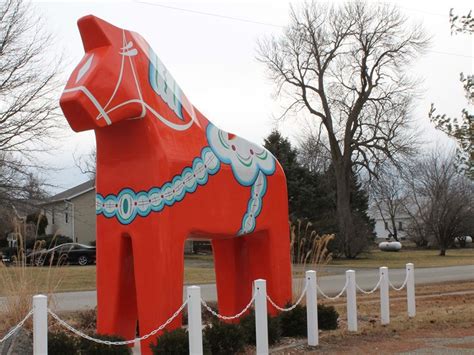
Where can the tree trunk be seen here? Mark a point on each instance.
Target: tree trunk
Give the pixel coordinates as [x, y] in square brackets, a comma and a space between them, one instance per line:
[443, 244]
[394, 227]
[344, 211]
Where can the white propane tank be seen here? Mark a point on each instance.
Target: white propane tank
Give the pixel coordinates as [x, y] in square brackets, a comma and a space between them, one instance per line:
[467, 239]
[390, 246]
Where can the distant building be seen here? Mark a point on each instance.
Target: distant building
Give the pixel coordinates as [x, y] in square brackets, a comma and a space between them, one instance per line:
[72, 213]
[383, 224]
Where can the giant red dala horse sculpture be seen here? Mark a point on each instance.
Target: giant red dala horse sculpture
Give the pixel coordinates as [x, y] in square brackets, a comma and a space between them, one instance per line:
[165, 174]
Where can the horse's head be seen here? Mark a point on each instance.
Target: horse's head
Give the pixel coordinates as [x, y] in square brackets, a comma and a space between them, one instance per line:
[105, 86]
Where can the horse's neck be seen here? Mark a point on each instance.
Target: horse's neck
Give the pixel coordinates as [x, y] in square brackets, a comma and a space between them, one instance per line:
[131, 146]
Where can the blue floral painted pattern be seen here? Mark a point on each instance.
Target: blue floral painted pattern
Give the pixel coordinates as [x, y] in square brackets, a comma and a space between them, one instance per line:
[246, 159]
[128, 204]
[254, 206]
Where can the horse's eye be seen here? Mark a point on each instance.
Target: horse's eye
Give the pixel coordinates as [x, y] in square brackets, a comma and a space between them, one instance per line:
[84, 68]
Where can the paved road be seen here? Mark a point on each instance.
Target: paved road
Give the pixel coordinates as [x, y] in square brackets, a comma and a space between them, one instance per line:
[330, 284]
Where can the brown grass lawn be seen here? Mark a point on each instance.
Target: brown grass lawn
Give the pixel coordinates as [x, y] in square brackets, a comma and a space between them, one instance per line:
[82, 278]
[444, 322]
[200, 268]
[439, 317]
[445, 315]
[421, 258]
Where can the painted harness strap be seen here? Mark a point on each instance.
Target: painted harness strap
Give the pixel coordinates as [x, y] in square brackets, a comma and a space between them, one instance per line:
[128, 204]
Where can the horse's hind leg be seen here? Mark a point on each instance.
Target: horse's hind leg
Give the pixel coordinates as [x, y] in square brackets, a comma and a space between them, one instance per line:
[234, 286]
[269, 259]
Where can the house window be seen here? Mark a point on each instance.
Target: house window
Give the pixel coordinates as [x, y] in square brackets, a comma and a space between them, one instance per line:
[66, 215]
[400, 226]
[386, 226]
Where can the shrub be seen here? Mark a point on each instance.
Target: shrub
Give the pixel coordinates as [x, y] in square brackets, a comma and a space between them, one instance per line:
[248, 326]
[175, 342]
[87, 319]
[88, 347]
[293, 323]
[327, 317]
[224, 338]
[60, 343]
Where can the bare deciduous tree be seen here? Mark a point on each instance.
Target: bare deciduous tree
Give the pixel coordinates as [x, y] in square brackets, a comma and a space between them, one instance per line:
[441, 200]
[87, 163]
[313, 154]
[389, 195]
[28, 95]
[346, 65]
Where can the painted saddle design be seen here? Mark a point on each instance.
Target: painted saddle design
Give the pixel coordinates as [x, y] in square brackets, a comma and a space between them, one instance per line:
[166, 174]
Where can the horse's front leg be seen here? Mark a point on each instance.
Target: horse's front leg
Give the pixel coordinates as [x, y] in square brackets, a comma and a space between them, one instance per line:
[158, 252]
[116, 302]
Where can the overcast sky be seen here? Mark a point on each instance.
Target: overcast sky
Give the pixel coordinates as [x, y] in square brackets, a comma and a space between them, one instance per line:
[213, 60]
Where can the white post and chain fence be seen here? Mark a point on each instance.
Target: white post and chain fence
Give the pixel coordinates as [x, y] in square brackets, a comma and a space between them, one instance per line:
[384, 296]
[261, 321]
[351, 301]
[40, 325]
[410, 271]
[194, 320]
[312, 308]
[259, 299]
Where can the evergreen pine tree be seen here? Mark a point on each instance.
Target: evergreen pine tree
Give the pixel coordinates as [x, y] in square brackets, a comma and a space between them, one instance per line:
[312, 195]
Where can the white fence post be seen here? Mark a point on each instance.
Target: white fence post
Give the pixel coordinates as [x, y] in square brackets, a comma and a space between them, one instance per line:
[384, 296]
[410, 270]
[194, 320]
[261, 320]
[312, 308]
[40, 325]
[351, 301]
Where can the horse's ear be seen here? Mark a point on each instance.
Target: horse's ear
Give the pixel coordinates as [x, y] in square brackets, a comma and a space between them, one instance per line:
[95, 32]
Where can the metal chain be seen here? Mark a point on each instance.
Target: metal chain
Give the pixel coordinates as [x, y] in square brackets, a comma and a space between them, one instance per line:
[402, 286]
[292, 307]
[372, 290]
[124, 342]
[335, 297]
[220, 316]
[16, 327]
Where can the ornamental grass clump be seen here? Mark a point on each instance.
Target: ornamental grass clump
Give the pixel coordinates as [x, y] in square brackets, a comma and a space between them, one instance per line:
[19, 282]
[309, 251]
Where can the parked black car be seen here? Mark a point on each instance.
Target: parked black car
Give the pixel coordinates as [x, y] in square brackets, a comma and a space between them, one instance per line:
[68, 253]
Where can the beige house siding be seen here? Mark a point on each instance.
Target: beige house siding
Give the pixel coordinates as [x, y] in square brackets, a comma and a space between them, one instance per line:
[72, 213]
[84, 217]
[59, 222]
